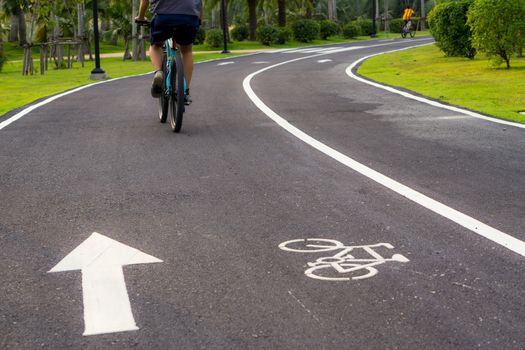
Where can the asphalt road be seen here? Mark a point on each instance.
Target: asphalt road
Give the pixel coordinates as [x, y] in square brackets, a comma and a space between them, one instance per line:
[215, 202]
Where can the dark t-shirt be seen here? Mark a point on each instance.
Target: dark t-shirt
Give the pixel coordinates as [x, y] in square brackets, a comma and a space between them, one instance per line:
[176, 7]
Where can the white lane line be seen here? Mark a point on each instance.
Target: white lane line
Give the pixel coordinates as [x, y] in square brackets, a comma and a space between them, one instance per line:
[260, 62]
[52, 98]
[350, 73]
[324, 61]
[464, 220]
[225, 63]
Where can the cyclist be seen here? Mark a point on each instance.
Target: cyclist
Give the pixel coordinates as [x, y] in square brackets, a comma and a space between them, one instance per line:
[407, 14]
[183, 15]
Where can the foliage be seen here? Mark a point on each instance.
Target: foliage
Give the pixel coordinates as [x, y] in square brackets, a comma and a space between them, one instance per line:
[267, 35]
[328, 28]
[498, 28]
[214, 38]
[306, 30]
[396, 25]
[200, 37]
[448, 25]
[351, 30]
[284, 34]
[366, 25]
[240, 32]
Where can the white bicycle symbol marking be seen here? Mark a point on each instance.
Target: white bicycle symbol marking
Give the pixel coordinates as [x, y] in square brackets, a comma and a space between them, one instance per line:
[342, 262]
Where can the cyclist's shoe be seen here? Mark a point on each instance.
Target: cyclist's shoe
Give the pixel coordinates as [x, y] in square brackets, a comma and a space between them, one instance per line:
[156, 87]
[187, 98]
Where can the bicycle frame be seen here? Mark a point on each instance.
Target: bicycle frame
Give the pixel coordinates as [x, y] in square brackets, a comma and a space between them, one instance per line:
[170, 50]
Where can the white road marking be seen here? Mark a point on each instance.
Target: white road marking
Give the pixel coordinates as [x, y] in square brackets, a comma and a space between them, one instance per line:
[225, 63]
[464, 220]
[106, 302]
[324, 61]
[350, 73]
[260, 62]
[31, 108]
[330, 268]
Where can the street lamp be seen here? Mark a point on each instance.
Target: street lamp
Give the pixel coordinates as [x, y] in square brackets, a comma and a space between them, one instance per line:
[374, 10]
[224, 27]
[97, 73]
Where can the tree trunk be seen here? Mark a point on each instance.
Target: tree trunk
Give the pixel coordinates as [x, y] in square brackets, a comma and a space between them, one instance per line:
[252, 14]
[309, 9]
[13, 32]
[281, 12]
[134, 39]
[422, 21]
[22, 29]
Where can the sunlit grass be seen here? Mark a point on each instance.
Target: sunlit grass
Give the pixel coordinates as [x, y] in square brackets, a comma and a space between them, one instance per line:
[474, 84]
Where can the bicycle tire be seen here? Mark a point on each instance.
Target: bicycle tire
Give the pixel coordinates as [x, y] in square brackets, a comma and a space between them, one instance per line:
[311, 245]
[328, 273]
[412, 33]
[164, 97]
[177, 98]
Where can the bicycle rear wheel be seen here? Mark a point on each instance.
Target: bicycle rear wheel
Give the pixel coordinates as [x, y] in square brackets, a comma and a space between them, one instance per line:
[164, 97]
[177, 97]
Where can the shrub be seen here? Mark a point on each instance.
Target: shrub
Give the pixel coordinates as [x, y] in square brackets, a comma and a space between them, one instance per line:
[328, 28]
[501, 37]
[200, 37]
[351, 30]
[240, 32]
[214, 38]
[366, 25]
[305, 30]
[284, 34]
[448, 25]
[396, 25]
[267, 34]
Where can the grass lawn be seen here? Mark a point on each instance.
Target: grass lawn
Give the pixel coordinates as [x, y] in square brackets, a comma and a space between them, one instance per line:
[17, 90]
[474, 84]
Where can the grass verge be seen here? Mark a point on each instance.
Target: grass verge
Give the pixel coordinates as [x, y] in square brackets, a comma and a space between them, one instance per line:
[17, 90]
[473, 84]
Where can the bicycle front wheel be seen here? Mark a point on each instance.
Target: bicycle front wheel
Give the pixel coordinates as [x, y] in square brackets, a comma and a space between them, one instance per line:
[177, 98]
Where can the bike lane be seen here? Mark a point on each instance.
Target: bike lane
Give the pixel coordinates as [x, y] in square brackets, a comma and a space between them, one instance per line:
[214, 203]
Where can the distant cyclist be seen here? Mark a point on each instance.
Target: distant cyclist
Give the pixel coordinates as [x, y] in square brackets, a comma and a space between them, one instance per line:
[407, 14]
[184, 16]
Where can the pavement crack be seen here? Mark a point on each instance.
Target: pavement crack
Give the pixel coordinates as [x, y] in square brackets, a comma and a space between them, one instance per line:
[304, 307]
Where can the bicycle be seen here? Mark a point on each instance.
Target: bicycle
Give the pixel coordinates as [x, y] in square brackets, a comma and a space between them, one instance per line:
[408, 29]
[171, 101]
[359, 265]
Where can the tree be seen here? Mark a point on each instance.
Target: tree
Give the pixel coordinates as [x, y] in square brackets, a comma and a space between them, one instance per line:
[498, 28]
[16, 9]
[449, 27]
[281, 5]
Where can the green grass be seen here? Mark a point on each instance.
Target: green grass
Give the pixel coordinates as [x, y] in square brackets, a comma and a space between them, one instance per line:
[474, 84]
[17, 90]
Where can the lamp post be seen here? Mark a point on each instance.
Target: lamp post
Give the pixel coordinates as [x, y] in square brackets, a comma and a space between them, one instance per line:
[97, 73]
[374, 10]
[224, 26]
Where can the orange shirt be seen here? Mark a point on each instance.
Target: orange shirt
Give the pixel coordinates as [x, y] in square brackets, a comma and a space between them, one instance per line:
[408, 14]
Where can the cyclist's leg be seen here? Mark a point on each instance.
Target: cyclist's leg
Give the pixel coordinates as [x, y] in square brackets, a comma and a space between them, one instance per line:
[187, 61]
[155, 54]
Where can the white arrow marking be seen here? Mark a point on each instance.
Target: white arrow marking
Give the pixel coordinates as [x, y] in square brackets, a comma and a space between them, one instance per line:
[106, 302]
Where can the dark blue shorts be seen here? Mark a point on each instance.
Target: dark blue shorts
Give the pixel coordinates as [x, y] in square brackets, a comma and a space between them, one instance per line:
[182, 27]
